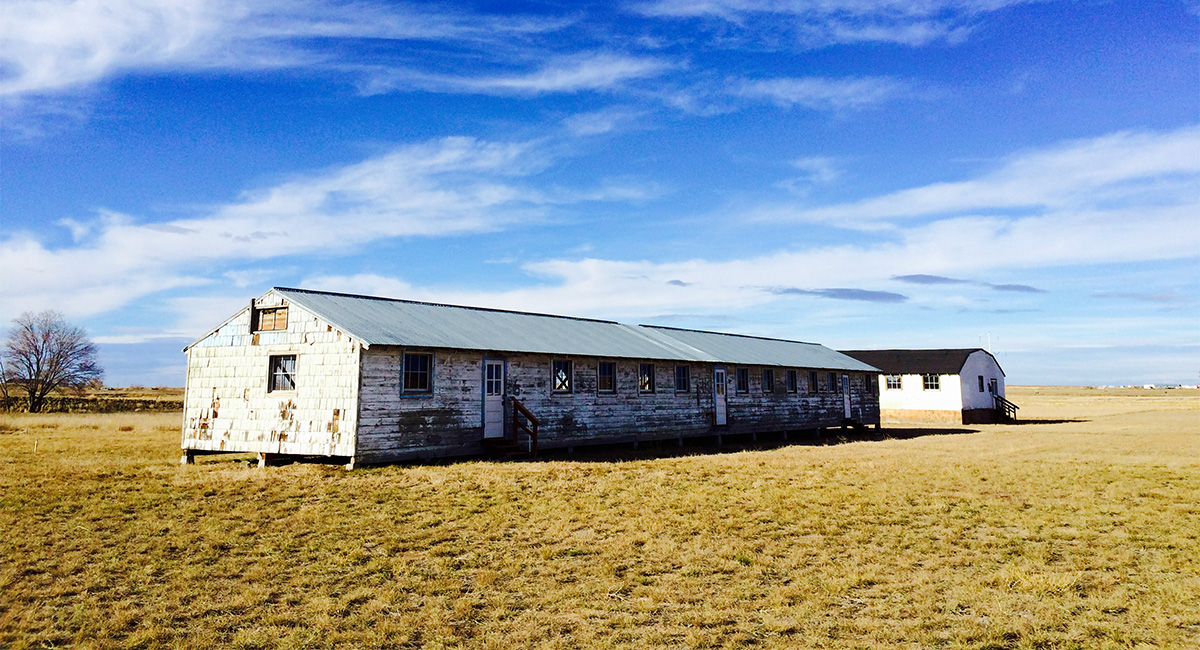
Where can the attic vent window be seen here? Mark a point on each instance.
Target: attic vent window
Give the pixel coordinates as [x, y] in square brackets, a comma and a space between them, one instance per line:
[272, 320]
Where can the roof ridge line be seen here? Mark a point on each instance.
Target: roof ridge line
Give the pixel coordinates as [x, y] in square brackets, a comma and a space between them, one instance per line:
[745, 336]
[445, 304]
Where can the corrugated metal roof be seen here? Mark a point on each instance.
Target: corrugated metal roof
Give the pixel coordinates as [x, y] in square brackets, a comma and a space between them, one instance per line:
[758, 351]
[386, 321]
[916, 362]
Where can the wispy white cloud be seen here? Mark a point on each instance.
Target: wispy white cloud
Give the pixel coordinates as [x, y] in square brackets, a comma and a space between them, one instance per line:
[1159, 171]
[816, 24]
[602, 121]
[822, 93]
[56, 45]
[634, 289]
[440, 188]
[563, 74]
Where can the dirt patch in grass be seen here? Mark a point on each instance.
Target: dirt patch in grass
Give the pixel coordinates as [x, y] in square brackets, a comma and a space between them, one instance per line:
[1078, 534]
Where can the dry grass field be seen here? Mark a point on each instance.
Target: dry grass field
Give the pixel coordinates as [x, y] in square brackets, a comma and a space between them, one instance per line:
[1080, 531]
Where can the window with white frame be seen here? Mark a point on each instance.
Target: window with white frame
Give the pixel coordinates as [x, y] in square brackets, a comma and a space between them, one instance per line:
[417, 373]
[282, 373]
[931, 382]
[893, 382]
[560, 376]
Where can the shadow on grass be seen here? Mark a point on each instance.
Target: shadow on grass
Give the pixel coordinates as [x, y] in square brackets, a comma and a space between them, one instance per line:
[651, 449]
[1051, 421]
[731, 444]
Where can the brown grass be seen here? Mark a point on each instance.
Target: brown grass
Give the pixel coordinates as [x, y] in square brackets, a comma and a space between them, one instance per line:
[1073, 535]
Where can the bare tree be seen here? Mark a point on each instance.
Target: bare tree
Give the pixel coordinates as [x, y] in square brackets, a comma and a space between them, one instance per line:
[3, 386]
[45, 352]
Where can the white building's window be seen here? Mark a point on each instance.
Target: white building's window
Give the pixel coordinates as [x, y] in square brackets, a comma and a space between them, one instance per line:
[606, 377]
[272, 320]
[417, 373]
[931, 382]
[646, 378]
[283, 373]
[893, 382]
[560, 371]
[683, 379]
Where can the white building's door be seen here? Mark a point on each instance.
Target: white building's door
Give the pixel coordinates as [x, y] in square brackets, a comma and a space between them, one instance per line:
[493, 398]
[719, 415]
[846, 394]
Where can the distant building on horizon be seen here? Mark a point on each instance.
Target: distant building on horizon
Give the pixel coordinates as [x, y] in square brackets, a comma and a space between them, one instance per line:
[947, 385]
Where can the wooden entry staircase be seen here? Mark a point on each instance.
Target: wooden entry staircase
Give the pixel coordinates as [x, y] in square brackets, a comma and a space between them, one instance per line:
[1006, 411]
[510, 448]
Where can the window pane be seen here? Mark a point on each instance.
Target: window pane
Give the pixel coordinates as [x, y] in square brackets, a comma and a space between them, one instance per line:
[272, 319]
[606, 382]
[793, 381]
[417, 369]
[682, 379]
[646, 378]
[768, 384]
[562, 376]
[283, 373]
[743, 380]
[494, 378]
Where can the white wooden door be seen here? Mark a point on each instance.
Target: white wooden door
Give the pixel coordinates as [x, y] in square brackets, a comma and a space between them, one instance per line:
[719, 396]
[493, 398]
[846, 394]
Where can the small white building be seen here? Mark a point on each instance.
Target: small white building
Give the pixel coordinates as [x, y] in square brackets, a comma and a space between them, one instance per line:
[959, 385]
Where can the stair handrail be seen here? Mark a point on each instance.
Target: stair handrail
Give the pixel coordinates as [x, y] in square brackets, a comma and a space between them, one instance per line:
[1006, 407]
[530, 427]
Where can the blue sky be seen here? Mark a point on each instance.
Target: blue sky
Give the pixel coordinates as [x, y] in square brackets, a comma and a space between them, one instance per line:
[930, 173]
